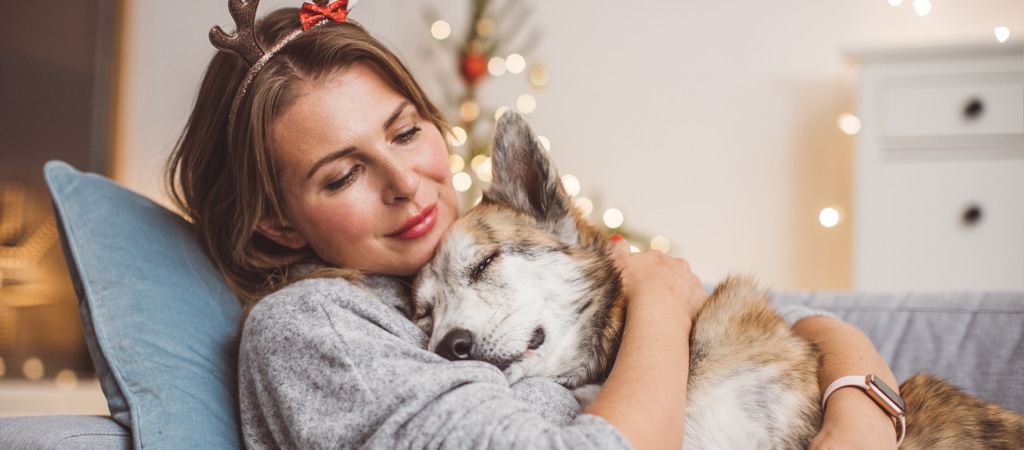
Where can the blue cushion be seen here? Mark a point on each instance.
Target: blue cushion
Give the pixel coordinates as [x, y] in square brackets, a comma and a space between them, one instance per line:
[159, 319]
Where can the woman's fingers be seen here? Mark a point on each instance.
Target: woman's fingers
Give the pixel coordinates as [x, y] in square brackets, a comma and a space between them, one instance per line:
[653, 276]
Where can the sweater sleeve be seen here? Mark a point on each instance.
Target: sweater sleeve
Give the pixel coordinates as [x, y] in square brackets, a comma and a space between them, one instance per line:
[315, 372]
[792, 313]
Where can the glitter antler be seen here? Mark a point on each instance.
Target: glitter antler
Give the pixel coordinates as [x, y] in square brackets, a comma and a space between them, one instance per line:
[243, 41]
[244, 44]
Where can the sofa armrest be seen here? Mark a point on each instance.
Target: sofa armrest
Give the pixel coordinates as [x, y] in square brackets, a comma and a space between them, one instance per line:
[973, 340]
[63, 432]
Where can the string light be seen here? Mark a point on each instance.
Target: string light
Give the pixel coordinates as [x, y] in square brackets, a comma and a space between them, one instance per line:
[441, 30]
[545, 143]
[584, 205]
[476, 162]
[485, 27]
[660, 243]
[515, 63]
[456, 162]
[571, 185]
[462, 181]
[539, 76]
[33, 369]
[526, 103]
[66, 380]
[499, 112]
[1002, 34]
[469, 111]
[613, 218]
[829, 217]
[895, 2]
[922, 7]
[457, 137]
[849, 123]
[496, 66]
[483, 170]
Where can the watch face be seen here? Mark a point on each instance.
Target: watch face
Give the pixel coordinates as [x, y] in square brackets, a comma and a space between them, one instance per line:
[878, 383]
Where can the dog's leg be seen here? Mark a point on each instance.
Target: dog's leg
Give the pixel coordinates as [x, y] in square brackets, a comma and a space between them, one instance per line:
[941, 416]
[747, 366]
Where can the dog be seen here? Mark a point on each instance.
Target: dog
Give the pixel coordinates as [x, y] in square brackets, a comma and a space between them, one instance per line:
[524, 282]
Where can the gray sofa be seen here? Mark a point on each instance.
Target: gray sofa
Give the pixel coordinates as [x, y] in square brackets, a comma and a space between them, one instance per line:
[161, 325]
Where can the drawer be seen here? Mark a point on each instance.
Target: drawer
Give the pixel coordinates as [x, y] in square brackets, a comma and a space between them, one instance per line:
[924, 236]
[953, 105]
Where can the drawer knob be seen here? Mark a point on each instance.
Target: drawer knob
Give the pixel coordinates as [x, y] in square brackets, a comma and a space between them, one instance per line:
[974, 109]
[972, 215]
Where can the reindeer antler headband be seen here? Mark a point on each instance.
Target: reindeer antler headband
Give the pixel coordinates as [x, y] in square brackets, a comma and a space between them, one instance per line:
[243, 41]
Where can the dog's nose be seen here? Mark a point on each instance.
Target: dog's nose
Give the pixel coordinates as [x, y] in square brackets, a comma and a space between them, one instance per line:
[456, 345]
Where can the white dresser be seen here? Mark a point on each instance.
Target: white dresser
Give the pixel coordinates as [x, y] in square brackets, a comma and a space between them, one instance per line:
[939, 178]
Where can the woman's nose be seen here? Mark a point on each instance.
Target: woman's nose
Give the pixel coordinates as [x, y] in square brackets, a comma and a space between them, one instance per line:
[402, 181]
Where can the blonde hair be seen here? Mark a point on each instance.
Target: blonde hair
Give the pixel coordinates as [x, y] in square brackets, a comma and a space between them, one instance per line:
[226, 190]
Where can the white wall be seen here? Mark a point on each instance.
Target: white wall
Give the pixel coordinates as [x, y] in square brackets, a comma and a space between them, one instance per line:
[712, 123]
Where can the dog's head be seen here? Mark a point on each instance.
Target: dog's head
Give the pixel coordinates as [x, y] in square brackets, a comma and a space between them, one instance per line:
[523, 281]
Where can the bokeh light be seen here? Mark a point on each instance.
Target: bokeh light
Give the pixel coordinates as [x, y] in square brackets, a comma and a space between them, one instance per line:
[829, 217]
[456, 163]
[849, 123]
[440, 30]
[496, 66]
[526, 103]
[32, 369]
[571, 185]
[462, 181]
[660, 243]
[613, 218]
[515, 63]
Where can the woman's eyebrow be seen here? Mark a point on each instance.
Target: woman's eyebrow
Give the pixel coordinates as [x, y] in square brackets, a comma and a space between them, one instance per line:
[394, 116]
[341, 153]
[326, 159]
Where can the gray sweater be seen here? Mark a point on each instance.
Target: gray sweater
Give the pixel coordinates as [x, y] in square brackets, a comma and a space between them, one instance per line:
[326, 364]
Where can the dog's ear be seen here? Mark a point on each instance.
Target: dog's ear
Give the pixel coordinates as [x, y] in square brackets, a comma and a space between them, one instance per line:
[525, 179]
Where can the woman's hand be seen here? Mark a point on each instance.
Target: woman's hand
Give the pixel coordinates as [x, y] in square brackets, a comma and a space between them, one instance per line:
[652, 279]
[644, 396]
[854, 421]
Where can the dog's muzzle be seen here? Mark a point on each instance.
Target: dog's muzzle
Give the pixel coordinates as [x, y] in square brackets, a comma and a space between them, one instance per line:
[460, 345]
[456, 345]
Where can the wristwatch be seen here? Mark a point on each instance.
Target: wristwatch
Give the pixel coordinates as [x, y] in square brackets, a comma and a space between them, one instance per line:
[882, 394]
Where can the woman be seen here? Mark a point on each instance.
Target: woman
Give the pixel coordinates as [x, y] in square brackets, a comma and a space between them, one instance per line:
[327, 163]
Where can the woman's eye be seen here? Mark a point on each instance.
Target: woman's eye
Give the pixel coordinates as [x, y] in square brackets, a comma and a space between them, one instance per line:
[479, 270]
[344, 181]
[407, 136]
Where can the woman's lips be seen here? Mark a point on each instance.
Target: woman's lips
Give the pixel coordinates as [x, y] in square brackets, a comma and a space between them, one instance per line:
[417, 225]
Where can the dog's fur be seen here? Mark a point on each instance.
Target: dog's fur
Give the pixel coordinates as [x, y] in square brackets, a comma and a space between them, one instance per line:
[524, 282]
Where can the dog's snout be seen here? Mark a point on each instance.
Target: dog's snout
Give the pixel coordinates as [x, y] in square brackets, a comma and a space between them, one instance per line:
[456, 345]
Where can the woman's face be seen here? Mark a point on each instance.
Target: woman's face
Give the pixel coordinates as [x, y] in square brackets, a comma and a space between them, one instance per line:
[365, 178]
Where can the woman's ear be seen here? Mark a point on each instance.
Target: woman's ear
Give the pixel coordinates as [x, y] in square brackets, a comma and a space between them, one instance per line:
[281, 233]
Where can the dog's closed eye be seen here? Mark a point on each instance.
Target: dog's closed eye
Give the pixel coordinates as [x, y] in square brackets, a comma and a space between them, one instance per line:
[479, 269]
[424, 312]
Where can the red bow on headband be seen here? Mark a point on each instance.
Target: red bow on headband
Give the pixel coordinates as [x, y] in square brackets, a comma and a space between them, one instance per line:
[311, 13]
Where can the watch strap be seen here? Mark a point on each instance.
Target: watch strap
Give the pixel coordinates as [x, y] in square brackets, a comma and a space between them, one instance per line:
[861, 382]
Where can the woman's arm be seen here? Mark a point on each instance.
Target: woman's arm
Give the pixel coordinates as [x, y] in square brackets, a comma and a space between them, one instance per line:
[325, 364]
[852, 419]
[645, 394]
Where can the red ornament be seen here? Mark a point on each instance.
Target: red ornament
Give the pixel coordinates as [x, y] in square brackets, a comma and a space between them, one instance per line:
[472, 66]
